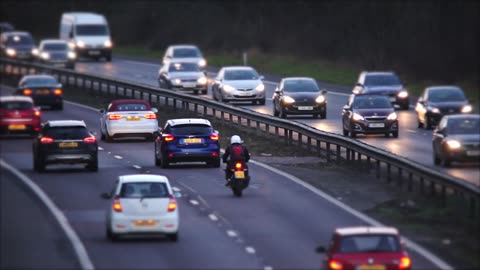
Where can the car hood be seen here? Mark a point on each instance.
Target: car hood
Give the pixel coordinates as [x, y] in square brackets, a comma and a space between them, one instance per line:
[243, 84]
[448, 104]
[383, 90]
[465, 138]
[303, 96]
[374, 112]
[185, 75]
[93, 40]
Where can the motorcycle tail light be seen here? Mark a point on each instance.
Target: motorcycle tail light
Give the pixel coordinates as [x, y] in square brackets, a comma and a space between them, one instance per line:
[238, 165]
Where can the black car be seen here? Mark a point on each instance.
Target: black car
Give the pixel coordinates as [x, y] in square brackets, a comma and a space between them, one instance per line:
[45, 90]
[187, 140]
[383, 83]
[57, 53]
[437, 101]
[65, 142]
[17, 45]
[457, 138]
[369, 114]
[299, 96]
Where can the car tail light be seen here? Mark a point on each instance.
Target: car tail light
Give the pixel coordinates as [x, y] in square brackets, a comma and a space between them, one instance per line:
[90, 140]
[335, 265]
[57, 92]
[168, 137]
[114, 116]
[150, 116]
[405, 263]
[37, 113]
[214, 137]
[117, 207]
[46, 140]
[238, 166]
[27, 92]
[172, 204]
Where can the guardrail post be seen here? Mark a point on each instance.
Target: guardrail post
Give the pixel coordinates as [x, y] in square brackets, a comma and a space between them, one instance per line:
[432, 188]
[222, 117]
[378, 169]
[348, 155]
[290, 137]
[257, 129]
[276, 132]
[319, 149]
[328, 152]
[410, 182]
[399, 179]
[338, 154]
[443, 196]
[422, 185]
[205, 110]
[230, 118]
[309, 143]
[389, 175]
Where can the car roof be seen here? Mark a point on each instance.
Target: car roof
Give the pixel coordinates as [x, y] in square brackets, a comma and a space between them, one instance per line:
[53, 41]
[133, 178]
[183, 46]
[346, 231]
[438, 87]
[298, 78]
[15, 98]
[379, 73]
[66, 123]
[238, 68]
[38, 76]
[125, 101]
[17, 33]
[184, 121]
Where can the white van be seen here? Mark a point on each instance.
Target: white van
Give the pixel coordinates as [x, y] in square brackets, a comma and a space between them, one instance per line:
[87, 33]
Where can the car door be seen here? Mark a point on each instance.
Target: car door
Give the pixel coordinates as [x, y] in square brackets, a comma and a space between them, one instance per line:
[276, 96]
[347, 113]
[439, 135]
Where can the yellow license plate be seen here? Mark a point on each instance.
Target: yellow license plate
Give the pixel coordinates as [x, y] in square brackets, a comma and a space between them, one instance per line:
[193, 140]
[371, 267]
[239, 174]
[17, 127]
[133, 118]
[145, 223]
[42, 92]
[68, 144]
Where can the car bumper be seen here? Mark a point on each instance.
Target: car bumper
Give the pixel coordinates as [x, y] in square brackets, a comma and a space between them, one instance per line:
[47, 100]
[402, 102]
[14, 126]
[367, 127]
[119, 130]
[71, 158]
[122, 224]
[305, 109]
[192, 155]
[93, 52]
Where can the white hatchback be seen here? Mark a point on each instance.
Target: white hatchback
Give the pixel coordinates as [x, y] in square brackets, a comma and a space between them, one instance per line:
[142, 204]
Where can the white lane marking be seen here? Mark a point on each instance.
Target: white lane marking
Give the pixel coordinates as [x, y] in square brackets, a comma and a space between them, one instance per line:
[267, 268]
[250, 250]
[77, 244]
[194, 202]
[231, 233]
[142, 63]
[137, 167]
[213, 217]
[411, 131]
[439, 263]
[188, 187]
[203, 201]
[100, 148]
[176, 189]
[118, 157]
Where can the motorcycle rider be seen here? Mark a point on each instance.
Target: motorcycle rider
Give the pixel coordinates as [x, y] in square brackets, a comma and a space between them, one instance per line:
[237, 153]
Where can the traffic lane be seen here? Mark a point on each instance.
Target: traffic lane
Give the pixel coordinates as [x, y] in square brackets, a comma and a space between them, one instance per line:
[30, 237]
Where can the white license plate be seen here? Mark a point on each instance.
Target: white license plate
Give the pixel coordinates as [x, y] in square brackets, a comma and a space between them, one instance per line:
[376, 125]
[189, 85]
[244, 94]
[393, 99]
[93, 52]
[473, 153]
[305, 108]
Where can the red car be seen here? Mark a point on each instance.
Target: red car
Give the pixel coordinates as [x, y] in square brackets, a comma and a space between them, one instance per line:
[18, 114]
[366, 248]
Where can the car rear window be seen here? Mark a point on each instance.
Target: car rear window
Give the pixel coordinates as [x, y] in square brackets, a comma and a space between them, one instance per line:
[70, 133]
[130, 107]
[16, 105]
[369, 243]
[144, 189]
[191, 129]
[32, 82]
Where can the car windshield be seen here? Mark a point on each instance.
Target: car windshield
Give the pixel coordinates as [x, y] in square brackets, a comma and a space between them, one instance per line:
[130, 107]
[463, 126]
[19, 40]
[191, 129]
[55, 47]
[381, 80]
[446, 95]
[300, 86]
[70, 133]
[32, 82]
[238, 75]
[183, 67]
[144, 190]
[369, 244]
[16, 105]
[92, 30]
[369, 102]
[186, 52]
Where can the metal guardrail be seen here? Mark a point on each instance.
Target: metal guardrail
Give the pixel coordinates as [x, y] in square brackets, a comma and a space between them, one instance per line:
[334, 147]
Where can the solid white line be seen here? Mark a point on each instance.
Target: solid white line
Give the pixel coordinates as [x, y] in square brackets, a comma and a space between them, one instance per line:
[231, 233]
[203, 201]
[194, 202]
[267, 268]
[439, 263]
[77, 244]
[137, 167]
[213, 217]
[118, 157]
[411, 131]
[250, 250]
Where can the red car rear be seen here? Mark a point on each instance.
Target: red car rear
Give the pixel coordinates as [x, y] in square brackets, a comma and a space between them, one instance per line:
[366, 248]
[19, 115]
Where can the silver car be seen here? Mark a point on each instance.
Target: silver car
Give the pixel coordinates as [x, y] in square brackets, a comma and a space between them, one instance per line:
[185, 53]
[55, 52]
[239, 84]
[183, 76]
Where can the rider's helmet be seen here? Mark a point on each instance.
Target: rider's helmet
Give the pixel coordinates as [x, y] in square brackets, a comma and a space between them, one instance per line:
[235, 139]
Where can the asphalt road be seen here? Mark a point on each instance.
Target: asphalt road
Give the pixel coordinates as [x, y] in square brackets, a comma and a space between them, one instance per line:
[276, 225]
[413, 143]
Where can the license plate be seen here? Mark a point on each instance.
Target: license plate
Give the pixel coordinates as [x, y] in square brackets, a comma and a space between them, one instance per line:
[473, 153]
[67, 144]
[245, 94]
[144, 223]
[393, 99]
[189, 85]
[42, 92]
[376, 125]
[133, 118]
[239, 174]
[371, 267]
[94, 52]
[305, 108]
[17, 127]
[192, 140]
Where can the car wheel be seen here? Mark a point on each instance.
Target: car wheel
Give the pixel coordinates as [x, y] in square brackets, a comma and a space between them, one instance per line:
[173, 237]
[395, 134]
[195, 92]
[261, 102]
[387, 134]
[93, 166]
[164, 163]
[345, 132]
[158, 161]
[111, 236]
[353, 134]
[323, 115]
[204, 92]
[315, 115]
[428, 124]
[38, 164]
[108, 138]
[215, 163]
[102, 136]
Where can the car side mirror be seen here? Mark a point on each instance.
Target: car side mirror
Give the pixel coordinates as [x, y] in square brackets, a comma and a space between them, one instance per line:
[320, 249]
[261, 77]
[177, 194]
[106, 196]
[102, 111]
[59, 85]
[346, 108]
[155, 110]
[94, 133]
[323, 91]
[156, 134]
[277, 91]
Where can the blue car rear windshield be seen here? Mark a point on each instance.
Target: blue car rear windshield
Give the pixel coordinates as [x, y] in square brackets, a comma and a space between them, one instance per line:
[144, 189]
[191, 130]
[369, 244]
[463, 126]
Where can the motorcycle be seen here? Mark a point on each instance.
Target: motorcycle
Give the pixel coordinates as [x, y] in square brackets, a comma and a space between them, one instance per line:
[239, 178]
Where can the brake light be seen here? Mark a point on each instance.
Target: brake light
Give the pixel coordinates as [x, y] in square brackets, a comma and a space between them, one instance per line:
[172, 204]
[90, 140]
[57, 92]
[27, 92]
[238, 165]
[114, 116]
[405, 263]
[117, 207]
[150, 116]
[46, 140]
[335, 265]
[168, 137]
[214, 137]
[37, 113]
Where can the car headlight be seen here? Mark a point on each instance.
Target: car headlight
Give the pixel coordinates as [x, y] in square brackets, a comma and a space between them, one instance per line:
[467, 109]
[80, 44]
[402, 94]
[433, 109]
[228, 88]
[71, 55]
[202, 80]
[202, 63]
[45, 56]
[260, 87]
[392, 116]
[107, 44]
[35, 51]
[11, 52]
[320, 99]
[71, 45]
[357, 117]
[176, 81]
[453, 144]
[288, 100]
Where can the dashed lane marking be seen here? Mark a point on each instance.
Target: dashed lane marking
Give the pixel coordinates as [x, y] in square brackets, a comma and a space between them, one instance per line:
[213, 217]
[231, 233]
[137, 167]
[118, 157]
[194, 202]
[250, 250]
